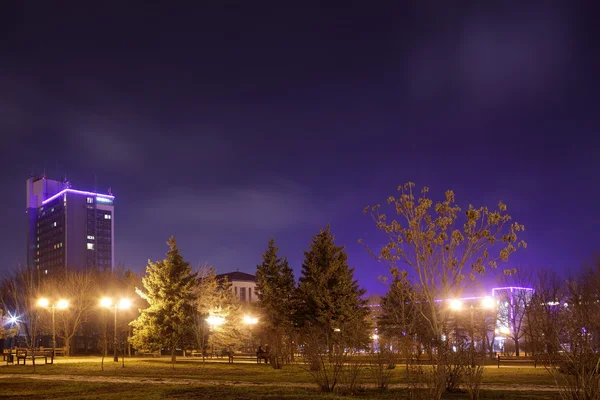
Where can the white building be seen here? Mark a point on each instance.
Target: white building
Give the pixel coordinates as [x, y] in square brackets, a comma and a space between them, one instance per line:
[242, 284]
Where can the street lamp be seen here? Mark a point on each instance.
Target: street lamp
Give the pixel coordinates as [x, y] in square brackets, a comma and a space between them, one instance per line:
[487, 303]
[61, 305]
[250, 321]
[214, 321]
[123, 304]
[456, 305]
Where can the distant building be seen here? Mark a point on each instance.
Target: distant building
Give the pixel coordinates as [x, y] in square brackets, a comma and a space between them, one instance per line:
[68, 228]
[242, 284]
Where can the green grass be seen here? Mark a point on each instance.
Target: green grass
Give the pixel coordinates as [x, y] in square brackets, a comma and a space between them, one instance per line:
[228, 381]
[248, 372]
[26, 388]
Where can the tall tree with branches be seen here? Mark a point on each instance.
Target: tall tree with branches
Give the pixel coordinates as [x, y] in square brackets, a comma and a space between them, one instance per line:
[169, 291]
[439, 249]
[329, 299]
[275, 287]
[81, 290]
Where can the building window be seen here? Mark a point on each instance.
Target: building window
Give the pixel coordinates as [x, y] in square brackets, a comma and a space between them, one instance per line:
[107, 216]
[90, 237]
[242, 294]
[90, 200]
[90, 246]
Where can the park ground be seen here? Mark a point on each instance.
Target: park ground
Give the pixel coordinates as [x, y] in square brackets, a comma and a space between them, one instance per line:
[83, 378]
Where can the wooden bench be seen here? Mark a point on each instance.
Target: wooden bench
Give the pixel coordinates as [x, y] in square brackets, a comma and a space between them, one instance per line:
[58, 351]
[515, 359]
[6, 353]
[155, 353]
[24, 354]
[262, 355]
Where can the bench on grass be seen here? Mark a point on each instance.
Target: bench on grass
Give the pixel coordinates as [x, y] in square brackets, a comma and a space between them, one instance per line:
[262, 355]
[515, 359]
[25, 354]
[58, 351]
[153, 353]
[6, 353]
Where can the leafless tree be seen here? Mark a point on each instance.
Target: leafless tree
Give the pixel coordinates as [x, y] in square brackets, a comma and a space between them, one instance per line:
[81, 291]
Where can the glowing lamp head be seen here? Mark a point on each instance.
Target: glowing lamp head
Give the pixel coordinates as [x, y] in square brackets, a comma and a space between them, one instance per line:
[124, 303]
[375, 336]
[106, 302]
[215, 321]
[13, 319]
[456, 305]
[504, 330]
[250, 320]
[62, 304]
[488, 303]
[43, 302]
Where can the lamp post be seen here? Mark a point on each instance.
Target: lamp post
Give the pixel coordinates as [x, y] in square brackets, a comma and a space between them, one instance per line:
[214, 321]
[123, 304]
[61, 305]
[486, 303]
[250, 321]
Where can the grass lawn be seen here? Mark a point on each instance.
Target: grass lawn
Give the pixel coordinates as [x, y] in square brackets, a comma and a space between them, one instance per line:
[25, 388]
[226, 381]
[247, 372]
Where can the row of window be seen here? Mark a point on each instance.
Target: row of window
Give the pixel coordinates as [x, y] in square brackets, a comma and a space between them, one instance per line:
[243, 293]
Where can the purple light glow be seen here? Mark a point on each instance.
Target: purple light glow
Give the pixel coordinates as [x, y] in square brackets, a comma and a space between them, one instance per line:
[107, 196]
[511, 288]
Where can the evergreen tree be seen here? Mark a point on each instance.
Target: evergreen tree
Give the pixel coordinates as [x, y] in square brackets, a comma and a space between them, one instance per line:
[169, 291]
[275, 287]
[329, 298]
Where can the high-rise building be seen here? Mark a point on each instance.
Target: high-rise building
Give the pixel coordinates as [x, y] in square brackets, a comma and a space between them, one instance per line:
[68, 228]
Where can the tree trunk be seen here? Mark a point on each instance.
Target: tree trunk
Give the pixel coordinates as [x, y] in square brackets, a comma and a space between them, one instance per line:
[173, 356]
[516, 347]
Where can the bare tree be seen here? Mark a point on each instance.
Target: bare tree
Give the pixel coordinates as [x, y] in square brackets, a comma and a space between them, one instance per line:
[20, 293]
[577, 369]
[81, 290]
[514, 299]
[439, 252]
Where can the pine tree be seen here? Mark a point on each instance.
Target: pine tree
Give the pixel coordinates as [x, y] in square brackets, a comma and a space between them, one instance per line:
[168, 320]
[275, 287]
[330, 300]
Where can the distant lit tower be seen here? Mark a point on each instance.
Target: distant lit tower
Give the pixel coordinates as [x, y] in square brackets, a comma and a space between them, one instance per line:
[68, 228]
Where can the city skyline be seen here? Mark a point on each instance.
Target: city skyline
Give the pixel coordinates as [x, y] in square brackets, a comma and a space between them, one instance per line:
[226, 140]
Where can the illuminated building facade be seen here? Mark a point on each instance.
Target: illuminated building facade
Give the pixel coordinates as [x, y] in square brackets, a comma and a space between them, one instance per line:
[68, 228]
[242, 284]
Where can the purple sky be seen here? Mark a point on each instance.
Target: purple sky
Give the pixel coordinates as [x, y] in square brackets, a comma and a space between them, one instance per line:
[226, 125]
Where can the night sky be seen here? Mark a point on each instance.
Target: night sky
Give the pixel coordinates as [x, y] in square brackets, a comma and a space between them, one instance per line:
[226, 125]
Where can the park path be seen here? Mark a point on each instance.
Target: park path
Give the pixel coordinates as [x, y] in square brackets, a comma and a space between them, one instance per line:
[202, 382]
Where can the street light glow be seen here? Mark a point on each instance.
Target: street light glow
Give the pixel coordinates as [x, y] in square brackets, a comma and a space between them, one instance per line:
[456, 305]
[215, 321]
[124, 303]
[488, 302]
[106, 302]
[43, 302]
[250, 320]
[62, 304]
